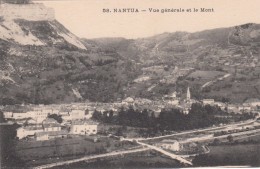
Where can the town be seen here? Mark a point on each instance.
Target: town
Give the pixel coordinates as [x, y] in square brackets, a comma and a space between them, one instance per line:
[76, 121]
[82, 88]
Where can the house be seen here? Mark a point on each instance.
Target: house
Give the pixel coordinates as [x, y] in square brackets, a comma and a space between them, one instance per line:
[47, 135]
[39, 116]
[174, 94]
[77, 114]
[253, 102]
[8, 115]
[28, 131]
[32, 130]
[41, 136]
[31, 121]
[50, 124]
[66, 117]
[58, 134]
[85, 127]
[128, 101]
[233, 108]
[186, 110]
[221, 105]
[174, 102]
[208, 101]
[20, 115]
[167, 144]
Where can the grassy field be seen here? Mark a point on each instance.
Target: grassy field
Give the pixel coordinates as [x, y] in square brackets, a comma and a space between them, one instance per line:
[236, 88]
[209, 75]
[148, 159]
[41, 152]
[231, 155]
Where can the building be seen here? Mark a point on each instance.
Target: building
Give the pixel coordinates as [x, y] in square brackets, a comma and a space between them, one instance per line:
[39, 116]
[208, 101]
[253, 102]
[41, 136]
[50, 124]
[23, 132]
[244, 108]
[85, 127]
[20, 115]
[8, 115]
[77, 114]
[174, 102]
[174, 94]
[188, 97]
[167, 144]
[186, 110]
[128, 101]
[31, 121]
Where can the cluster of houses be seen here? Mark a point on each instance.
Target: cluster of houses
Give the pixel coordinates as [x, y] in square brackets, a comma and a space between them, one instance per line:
[85, 110]
[37, 123]
[38, 114]
[251, 105]
[50, 128]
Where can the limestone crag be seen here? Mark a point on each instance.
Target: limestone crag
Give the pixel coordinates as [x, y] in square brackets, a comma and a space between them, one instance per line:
[30, 12]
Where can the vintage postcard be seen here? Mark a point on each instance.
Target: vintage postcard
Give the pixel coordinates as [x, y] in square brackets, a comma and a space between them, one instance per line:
[129, 84]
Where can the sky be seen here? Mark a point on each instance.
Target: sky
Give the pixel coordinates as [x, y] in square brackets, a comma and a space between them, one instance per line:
[85, 18]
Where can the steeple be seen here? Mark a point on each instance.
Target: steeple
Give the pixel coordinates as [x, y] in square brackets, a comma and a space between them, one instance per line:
[188, 94]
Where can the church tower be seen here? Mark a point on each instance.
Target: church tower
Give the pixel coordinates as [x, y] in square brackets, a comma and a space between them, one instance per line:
[188, 94]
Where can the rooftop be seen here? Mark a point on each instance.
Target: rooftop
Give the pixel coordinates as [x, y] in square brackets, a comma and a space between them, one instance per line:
[51, 125]
[51, 133]
[84, 122]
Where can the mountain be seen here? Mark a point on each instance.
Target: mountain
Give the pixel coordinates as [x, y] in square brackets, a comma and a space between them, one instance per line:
[43, 63]
[36, 27]
[165, 59]
[180, 45]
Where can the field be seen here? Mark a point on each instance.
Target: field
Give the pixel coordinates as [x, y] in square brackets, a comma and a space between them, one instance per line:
[236, 88]
[148, 159]
[209, 75]
[41, 152]
[228, 155]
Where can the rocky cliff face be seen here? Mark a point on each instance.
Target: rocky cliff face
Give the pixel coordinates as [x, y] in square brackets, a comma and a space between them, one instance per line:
[43, 62]
[30, 12]
[34, 24]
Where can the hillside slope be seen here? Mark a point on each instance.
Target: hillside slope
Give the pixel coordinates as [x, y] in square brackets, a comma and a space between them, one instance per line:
[43, 62]
[166, 58]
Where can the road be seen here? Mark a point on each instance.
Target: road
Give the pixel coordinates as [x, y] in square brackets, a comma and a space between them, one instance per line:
[214, 81]
[171, 155]
[200, 130]
[93, 157]
[220, 137]
[148, 146]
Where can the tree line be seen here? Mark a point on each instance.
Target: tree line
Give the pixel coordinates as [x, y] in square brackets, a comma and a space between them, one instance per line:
[173, 119]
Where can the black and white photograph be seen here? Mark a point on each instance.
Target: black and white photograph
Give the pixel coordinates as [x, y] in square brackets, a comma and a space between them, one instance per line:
[129, 84]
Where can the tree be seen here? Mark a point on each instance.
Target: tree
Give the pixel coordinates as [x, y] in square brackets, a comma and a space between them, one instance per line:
[216, 141]
[230, 138]
[97, 115]
[58, 118]
[2, 117]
